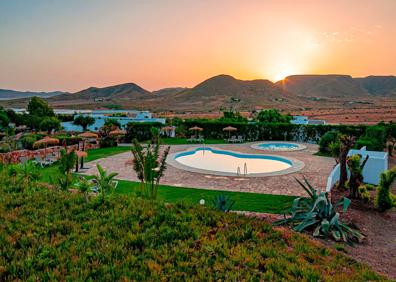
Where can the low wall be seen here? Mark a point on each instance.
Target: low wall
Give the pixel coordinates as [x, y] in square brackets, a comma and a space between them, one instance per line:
[18, 156]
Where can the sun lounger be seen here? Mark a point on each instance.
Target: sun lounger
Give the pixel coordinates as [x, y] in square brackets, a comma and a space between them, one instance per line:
[232, 139]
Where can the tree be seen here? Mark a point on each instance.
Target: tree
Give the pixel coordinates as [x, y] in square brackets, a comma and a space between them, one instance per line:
[84, 121]
[149, 165]
[355, 165]
[39, 107]
[4, 119]
[273, 116]
[384, 199]
[49, 124]
[112, 122]
[66, 164]
[347, 142]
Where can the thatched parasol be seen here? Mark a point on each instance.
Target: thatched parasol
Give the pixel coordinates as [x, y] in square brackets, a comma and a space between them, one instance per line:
[81, 154]
[117, 132]
[229, 129]
[46, 141]
[88, 134]
[196, 128]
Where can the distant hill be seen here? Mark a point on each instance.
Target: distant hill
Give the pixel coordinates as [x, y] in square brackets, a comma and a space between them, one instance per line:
[121, 91]
[296, 92]
[323, 86]
[170, 90]
[6, 94]
[379, 85]
[217, 91]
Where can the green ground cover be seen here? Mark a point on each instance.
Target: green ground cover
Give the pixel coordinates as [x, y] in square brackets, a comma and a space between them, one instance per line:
[52, 235]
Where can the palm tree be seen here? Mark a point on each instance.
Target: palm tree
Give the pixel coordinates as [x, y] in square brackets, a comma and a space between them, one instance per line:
[149, 165]
[104, 181]
[66, 164]
[29, 173]
[84, 187]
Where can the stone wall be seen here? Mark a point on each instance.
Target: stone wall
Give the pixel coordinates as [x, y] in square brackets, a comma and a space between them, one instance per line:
[20, 155]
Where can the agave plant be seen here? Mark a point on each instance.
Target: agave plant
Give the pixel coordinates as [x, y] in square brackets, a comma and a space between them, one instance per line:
[149, 165]
[317, 213]
[223, 203]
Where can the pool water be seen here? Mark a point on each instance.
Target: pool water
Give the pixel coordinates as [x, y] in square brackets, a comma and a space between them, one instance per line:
[208, 159]
[277, 146]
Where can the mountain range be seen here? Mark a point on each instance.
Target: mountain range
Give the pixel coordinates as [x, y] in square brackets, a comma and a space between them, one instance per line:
[292, 93]
[6, 94]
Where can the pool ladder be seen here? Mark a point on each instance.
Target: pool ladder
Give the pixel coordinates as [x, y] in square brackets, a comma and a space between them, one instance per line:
[244, 170]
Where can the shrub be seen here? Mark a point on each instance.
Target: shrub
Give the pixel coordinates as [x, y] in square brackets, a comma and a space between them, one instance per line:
[364, 193]
[384, 199]
[140, 131]
[330, 137]
[374, 138]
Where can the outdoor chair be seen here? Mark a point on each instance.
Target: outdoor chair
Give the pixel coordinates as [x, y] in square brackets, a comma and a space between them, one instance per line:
[240, 139]
[191, 139]
[232, 139]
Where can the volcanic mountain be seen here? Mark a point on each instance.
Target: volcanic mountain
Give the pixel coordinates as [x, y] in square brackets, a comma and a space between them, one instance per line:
[322, 86]
[120, 91]
[216, 92]
[379, 85]
[6, 94]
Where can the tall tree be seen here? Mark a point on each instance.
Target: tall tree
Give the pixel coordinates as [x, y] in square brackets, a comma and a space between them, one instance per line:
[84, 121]
[39, 107]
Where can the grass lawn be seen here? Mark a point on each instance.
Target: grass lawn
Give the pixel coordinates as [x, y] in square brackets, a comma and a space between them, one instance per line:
[95, 154]
[243, 201]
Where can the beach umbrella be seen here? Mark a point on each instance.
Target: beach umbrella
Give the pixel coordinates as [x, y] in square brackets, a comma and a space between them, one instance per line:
[117, 132]
[168, 130]
[80, 155]
[88, 134]
[46, 141]
[196, 129]
[229, 129]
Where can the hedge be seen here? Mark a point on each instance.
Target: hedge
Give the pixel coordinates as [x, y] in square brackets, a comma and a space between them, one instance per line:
[254, 131]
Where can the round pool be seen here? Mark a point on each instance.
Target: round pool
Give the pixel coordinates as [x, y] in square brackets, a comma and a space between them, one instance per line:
[229, 163]
[278, 146]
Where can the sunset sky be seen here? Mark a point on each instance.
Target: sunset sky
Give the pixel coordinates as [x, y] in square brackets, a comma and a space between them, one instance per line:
[72, 44]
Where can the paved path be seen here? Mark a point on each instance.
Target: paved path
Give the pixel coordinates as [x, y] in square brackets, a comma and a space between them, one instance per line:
[316, 170]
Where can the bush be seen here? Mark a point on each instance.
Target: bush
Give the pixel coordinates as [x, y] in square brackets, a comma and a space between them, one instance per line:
[374, 139]
[384, 199]
[53, 235]
[327, 139]
[141, 131]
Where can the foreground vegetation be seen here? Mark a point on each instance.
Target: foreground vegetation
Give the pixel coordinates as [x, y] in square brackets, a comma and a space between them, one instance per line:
[55, 235]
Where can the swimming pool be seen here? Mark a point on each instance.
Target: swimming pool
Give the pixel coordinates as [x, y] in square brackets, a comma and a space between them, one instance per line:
[278, 146]
[230, 163]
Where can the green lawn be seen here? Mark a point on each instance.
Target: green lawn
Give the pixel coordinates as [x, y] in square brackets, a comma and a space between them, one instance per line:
[243, 201]
[95, 154]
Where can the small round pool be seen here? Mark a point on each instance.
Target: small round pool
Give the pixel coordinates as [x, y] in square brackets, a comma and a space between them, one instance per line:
[278, 146]
[229, 163]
